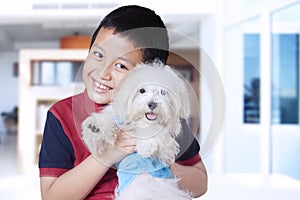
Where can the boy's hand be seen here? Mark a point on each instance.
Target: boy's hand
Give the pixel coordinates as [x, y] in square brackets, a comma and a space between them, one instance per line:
[124, 145]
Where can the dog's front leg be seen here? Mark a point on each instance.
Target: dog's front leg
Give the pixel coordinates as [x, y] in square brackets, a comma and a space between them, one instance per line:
[99, 131]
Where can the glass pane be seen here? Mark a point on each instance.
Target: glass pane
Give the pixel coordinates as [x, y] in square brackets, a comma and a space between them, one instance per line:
[48, 73]
[77, 72]
[35, 73]
[285, 66]
[64, 73]
[251, 78]
[285, 85]
[56, 72]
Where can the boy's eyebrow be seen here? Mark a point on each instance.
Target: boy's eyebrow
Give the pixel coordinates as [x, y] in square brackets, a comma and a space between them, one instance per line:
[126, 60]
[98, 47]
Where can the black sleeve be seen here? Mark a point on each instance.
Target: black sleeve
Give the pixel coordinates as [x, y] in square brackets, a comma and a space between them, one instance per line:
[189, 146]
[56, 150]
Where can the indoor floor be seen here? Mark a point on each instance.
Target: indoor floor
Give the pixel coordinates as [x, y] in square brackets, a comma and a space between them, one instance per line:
[14, 186]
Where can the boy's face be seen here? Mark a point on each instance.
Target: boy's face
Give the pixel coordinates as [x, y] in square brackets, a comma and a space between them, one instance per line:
[108, 62]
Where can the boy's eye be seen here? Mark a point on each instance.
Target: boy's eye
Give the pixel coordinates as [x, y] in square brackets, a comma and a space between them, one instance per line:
[98, 54]
[121, 66]
[142, 90]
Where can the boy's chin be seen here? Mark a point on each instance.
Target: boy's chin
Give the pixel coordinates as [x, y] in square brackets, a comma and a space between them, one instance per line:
[100, 98]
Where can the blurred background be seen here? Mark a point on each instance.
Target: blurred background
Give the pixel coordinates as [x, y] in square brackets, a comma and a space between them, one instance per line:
[252, 45]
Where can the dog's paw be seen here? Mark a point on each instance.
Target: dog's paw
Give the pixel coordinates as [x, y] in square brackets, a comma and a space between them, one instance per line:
[95, 129]
[99, 131]
[91, 132]
[91, 125]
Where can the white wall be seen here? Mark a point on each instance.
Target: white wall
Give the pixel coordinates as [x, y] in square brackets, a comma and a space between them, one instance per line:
[9, 84]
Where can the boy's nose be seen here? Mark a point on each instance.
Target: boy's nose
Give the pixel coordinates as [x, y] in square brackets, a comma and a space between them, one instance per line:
[106, 73]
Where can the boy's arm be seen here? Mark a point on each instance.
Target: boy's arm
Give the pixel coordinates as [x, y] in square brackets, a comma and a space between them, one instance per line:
[75, 183]
[78, 182]
[189, 168]
[192, 179]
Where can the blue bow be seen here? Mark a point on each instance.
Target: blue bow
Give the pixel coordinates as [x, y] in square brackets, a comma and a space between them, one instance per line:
[134, 164]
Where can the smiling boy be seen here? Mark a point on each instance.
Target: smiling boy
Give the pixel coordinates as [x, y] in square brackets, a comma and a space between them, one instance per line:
[67, 169]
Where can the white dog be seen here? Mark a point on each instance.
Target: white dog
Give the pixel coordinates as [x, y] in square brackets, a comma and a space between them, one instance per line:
[153, 99]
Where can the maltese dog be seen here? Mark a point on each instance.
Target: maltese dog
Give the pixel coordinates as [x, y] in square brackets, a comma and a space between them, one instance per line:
[153, 99]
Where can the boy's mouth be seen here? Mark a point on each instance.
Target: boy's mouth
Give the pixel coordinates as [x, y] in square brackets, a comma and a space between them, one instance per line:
[101, 86]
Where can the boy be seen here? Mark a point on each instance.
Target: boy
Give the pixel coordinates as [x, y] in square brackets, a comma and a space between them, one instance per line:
[124, 38]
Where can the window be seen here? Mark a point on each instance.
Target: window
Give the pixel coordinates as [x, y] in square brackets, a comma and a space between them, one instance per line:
[285, 78]
[251, 78]
[285, 129]
[56, 72]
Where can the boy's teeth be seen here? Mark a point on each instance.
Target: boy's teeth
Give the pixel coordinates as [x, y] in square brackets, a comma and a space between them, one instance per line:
[100, 86]
[97, 84]
[103, 87]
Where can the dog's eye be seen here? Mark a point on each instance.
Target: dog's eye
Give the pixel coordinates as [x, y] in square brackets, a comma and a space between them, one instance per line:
[163, 92]
[142, 90]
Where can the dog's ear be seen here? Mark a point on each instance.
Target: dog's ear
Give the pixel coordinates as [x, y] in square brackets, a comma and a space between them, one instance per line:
[180, 86]
[122, 101]
[120, 105]
[184, 100]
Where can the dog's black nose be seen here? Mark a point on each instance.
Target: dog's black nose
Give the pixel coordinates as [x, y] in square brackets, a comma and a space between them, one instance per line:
[152, 105]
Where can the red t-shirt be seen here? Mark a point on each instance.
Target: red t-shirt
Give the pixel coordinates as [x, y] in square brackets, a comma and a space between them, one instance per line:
[63, 149]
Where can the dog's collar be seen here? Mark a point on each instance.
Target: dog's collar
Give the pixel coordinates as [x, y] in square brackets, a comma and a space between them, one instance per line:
[119, 120]
[134, 164]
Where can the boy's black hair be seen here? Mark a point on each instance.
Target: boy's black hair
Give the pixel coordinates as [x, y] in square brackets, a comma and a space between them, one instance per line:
[141, 25]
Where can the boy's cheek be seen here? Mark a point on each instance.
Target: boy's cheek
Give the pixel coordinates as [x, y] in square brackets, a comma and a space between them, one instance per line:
[88, 64]
[91, 65]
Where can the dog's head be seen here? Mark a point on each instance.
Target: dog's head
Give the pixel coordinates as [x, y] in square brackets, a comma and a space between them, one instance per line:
[152, 104]
[152, 94]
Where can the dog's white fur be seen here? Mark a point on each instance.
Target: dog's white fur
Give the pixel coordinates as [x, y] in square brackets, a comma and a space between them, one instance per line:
[153, 99]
